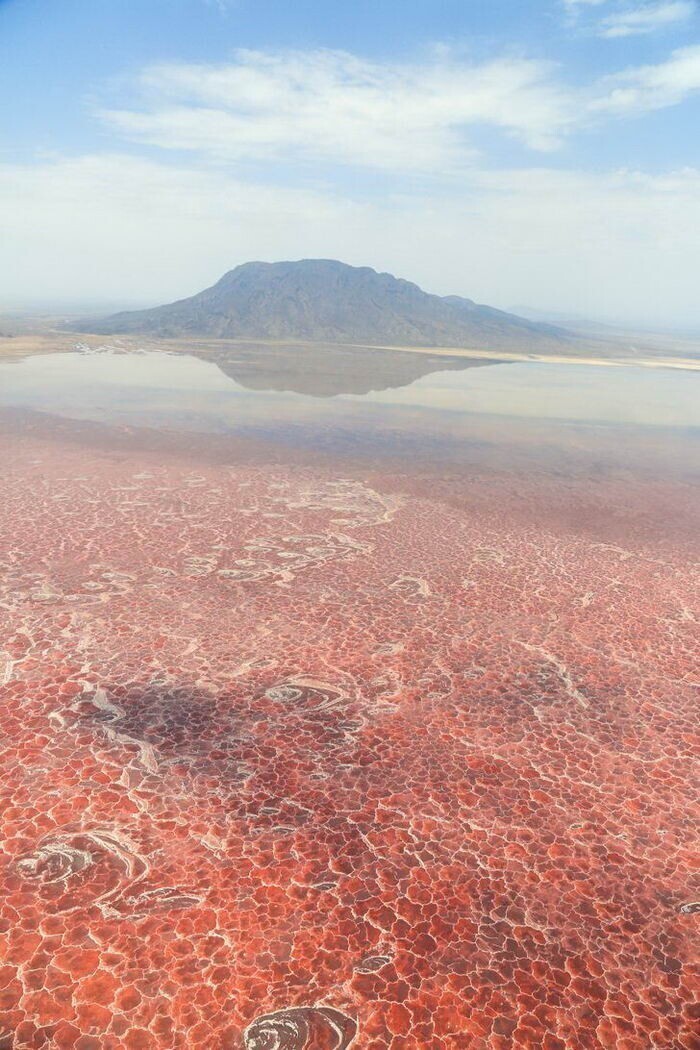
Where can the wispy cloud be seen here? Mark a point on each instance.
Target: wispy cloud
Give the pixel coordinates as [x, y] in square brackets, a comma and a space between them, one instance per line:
[621, 18]
[577, 5]
[334, 106]
[224, 6]
[324, 107]
[647, 18]
[646, 88]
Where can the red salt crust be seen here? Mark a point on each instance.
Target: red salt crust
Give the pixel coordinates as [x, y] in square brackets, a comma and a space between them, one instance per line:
[295, 758]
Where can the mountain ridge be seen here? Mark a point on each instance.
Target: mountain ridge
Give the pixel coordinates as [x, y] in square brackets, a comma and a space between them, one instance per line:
[324, 300]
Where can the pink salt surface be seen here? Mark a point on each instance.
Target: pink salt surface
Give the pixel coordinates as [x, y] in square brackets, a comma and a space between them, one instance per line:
[306, 755]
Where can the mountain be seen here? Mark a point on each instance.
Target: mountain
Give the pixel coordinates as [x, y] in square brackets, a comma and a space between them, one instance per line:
[321, 300]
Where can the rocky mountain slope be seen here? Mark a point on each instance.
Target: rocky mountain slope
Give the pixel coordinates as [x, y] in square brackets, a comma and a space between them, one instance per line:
[321, 300]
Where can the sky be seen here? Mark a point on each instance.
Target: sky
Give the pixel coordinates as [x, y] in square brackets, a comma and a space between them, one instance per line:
[542, 154]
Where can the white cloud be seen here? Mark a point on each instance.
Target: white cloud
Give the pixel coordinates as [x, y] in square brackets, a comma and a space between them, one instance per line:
[117, 226]
[307, 109]
[332, 106]
[623, 18]
[647, 18]
[578, 13]
[646, 88]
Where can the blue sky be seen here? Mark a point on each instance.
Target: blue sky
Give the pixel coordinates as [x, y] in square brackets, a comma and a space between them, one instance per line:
[540, 153]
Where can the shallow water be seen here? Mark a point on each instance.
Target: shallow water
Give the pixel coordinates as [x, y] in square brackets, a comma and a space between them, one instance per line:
[347, 722]
[118, 386]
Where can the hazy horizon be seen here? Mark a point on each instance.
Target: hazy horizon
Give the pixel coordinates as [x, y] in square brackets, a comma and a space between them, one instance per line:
[37, 307]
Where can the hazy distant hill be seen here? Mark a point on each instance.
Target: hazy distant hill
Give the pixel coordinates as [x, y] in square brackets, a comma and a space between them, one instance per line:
[323, 300]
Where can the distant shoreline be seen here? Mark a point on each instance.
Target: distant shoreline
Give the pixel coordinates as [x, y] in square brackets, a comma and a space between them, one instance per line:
[50, 341]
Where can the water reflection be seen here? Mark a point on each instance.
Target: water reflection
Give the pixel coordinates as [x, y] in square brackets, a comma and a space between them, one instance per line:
[367, 403]
[327, 371]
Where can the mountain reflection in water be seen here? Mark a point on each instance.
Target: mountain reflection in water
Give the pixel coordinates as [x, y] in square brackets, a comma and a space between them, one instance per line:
[326, 371]
[351, 401]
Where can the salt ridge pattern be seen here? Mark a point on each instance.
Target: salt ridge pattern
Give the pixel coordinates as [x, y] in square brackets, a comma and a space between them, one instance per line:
[299, 761]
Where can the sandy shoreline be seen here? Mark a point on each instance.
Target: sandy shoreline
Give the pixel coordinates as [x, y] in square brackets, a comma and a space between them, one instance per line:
[502, 355]
[26, 344]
